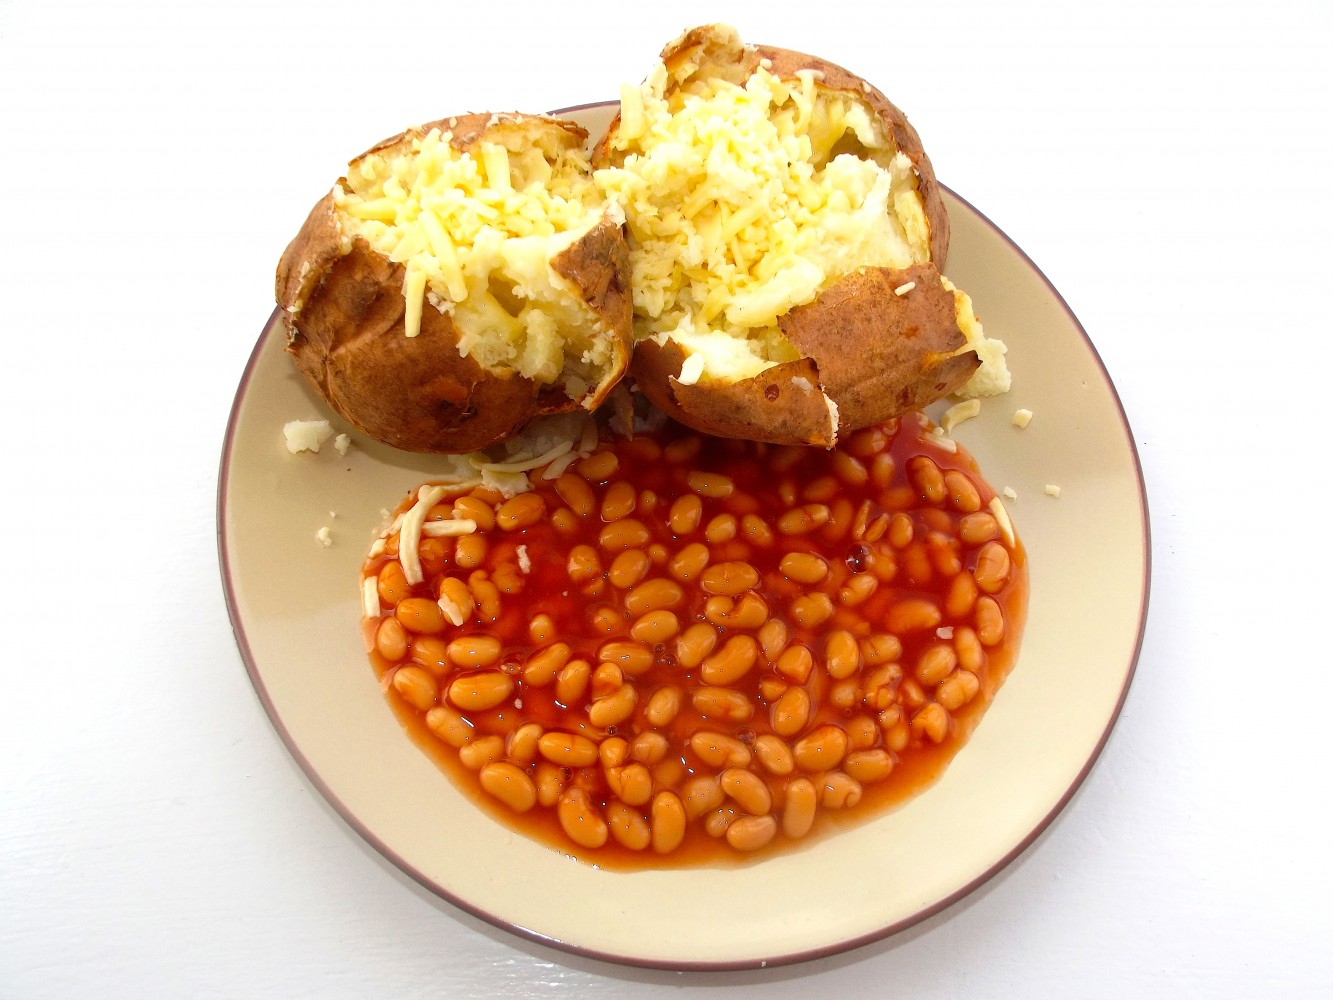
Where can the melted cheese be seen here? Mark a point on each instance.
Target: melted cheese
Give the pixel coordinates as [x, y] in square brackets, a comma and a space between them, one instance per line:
[476, 235]
[744, 201]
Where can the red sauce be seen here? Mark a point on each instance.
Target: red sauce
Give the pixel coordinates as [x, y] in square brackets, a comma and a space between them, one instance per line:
[915, 693]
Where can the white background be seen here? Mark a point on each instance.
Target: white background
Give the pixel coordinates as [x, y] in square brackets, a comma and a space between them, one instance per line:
[1166, 164]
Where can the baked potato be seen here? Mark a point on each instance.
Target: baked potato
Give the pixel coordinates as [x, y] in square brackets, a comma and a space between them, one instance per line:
[787, 245]
[465, 277]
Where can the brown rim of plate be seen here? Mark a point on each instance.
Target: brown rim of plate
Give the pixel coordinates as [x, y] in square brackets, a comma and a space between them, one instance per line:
[771, 961]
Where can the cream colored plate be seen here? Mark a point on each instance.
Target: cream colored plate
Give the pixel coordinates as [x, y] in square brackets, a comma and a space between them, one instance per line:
[295, 611]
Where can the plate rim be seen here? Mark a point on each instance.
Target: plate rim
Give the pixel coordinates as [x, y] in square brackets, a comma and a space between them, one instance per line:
[772, 961]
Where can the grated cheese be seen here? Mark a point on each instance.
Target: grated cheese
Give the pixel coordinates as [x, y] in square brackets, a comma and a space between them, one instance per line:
[1001, 515]
[370, 597]
[1052, 490]
[449, 528]
[1022, 418]
[904, 289]
[958, 413]
[409, 534]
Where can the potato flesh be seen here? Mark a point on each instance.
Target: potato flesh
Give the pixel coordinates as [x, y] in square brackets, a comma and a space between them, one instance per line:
[476, 235]
[746, 201]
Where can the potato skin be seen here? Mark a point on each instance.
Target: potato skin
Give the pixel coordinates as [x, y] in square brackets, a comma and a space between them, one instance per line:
[343, 308]
[874, 353]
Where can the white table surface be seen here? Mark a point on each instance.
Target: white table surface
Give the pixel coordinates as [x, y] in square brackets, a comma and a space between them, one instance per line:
[1166, 164]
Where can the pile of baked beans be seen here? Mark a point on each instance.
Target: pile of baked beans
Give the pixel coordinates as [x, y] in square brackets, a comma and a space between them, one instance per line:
[681, 647]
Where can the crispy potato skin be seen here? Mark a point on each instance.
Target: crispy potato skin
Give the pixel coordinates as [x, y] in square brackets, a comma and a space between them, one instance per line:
[874, 353]
[343, 307]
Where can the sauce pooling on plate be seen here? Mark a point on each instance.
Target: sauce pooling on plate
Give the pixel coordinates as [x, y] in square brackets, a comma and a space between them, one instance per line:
[674, 648]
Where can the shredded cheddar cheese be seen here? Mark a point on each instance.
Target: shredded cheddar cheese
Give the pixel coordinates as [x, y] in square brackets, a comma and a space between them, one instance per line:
[476, 235]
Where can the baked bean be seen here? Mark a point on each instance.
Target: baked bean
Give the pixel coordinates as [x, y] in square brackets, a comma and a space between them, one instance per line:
[962, 492]
[719, 750]
[571, 682]
[961, 597]
[849, 469]
[914, 615]
[844, 695]
[978, 528]
[772, 637]
[627, 568]
[861, 732]
[509, 784]
[689, 562]
[598, 467]
[866, 442]
[565, 521]
[795, 663]
[663, 706]
[936, 663]
[971, 655]
[696, 643]
[614, 708]
[910, 693]
[747, 790]
[685, 514]
[700, 795]
[943, 555]
[842, 654]
[881, 470]
[479, 691]
[481, 751]
[574, 490]
[470, 551]
[750, 833]
[416, 686]
[544, 664]
[634, 658]
[654, 627]
[519, 512]
[839, 791]
[755, 530]
[857, 590]
[992, 569]
[606, 678]
[580, 819]
[627, 826]
[649, 747]
[730, 663]
[668, 822]
[652, 595]
[901, 531]
[728, 579]
[521, 744]
[957, 689]
[799, 803]
[932, 721]
[803, 520]
[804, 567]
[627, 533]
[613, 751]
[391, 583]
[749, 612]
[774, 755]
[391, 639]
[927, 478]
[868, 766]
[791, 712]
[550, 781]
[711, 484]
[420, 615]
[989, 621]
[469, 651]
[619, 501]
[821, 749]
[716, 822]
[567, 749]
[470, 508]
[449, 726]
[722, 703]
[720, 529]
[632, 783]
[880, 648]
[812, 610]
[683, 449]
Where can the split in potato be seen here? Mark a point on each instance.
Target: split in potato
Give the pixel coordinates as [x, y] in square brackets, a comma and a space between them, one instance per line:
[462, 279]
[787, 241]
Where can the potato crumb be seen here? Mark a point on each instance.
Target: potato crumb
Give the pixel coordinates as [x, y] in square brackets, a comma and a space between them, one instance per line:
[524, 561]
[324, 536]
[306, 435]
[1052, 490]
[691, 369]
[1010, 493]
[342, 444]
[1022, 417]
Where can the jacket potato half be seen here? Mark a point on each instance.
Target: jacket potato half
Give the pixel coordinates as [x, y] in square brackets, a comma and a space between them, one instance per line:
[787, 241]
[465, 277]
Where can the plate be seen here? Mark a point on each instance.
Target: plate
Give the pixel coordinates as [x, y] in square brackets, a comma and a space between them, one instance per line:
[295, 610]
